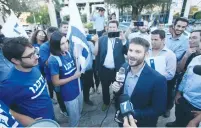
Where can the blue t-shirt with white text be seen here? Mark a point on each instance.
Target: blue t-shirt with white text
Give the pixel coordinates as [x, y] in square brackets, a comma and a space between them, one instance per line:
[6, 119]
[70, 90]
[28, 91]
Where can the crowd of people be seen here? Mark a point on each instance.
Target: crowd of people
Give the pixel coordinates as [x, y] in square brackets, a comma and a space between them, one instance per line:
[158, 74]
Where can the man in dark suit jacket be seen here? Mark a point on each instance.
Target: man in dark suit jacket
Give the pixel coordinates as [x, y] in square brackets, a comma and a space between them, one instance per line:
[110, 57]
[146, 87]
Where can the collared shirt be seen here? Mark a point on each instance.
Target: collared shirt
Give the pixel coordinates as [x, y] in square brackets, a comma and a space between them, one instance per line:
[131, 81]
[145, 36]
[109, 59]
[170, 61]
[191, 84]
[179, 46]
[5, 66]
[99, 22]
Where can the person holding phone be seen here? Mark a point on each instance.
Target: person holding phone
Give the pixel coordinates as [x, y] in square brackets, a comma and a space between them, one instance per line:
[99, 20]
[143, 31]
[110, 56]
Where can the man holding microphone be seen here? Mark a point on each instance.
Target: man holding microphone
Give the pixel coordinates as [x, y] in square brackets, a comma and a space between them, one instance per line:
[146, 88]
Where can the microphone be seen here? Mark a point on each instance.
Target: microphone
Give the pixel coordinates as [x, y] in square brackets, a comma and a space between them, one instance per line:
[197, 70]
[126, 107]
[120, 76]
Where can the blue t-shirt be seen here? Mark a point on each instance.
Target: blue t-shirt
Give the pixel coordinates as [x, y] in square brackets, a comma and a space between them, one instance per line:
[6, 119]
[44, 55]
[70, 90]
[27, 90]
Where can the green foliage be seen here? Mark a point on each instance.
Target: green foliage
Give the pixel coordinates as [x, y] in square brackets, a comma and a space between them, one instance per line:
[41, 17]
[137, 5]
[197, 15]
[84, 18]
[88, 25]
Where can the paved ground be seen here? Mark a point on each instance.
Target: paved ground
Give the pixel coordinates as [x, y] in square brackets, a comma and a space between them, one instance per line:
[92, 116]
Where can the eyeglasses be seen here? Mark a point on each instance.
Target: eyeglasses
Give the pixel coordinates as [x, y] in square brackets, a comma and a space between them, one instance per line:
[31, 55]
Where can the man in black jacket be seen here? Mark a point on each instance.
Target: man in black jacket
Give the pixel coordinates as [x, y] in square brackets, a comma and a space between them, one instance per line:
[110, 57]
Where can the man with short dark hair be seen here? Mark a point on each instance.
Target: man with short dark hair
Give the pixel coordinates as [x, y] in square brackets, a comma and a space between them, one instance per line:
[179, 44]
[64, 27]
[143, 32]
[109, 59]
[5, 65]
[177, 41]
[25, 82]
[146, 87]
[99, 20]
[166, 61]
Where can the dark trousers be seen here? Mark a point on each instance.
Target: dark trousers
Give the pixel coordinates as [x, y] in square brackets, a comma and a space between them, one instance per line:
[170, 93]
[87, 81]
[51, 89]
[95, 74]
[107, 76]
[100, 33]
[172, 89]
[183, 112]
[61, 102]
[58, 95]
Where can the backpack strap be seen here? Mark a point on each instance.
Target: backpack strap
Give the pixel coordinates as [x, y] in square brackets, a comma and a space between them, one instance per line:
[58, 60]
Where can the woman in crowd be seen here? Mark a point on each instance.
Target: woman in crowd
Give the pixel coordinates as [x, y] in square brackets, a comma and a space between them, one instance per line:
[65, 75]
[39, 37]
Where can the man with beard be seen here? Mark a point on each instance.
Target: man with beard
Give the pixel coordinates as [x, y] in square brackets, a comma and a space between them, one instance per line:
[143, 33]
[25, 87]
[146, 87]
[178, 43]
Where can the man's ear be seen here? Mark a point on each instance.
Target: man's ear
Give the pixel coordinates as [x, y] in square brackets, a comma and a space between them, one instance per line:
[147, 54]
[15, 61]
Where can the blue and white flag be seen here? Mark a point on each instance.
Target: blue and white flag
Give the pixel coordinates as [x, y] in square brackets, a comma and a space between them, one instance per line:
[13, 27]
[77, 38]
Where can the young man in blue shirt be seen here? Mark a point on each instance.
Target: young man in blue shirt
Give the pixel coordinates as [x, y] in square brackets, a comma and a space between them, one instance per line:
[25, 87]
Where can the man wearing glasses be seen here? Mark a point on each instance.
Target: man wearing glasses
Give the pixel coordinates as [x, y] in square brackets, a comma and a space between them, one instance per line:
[25, 87]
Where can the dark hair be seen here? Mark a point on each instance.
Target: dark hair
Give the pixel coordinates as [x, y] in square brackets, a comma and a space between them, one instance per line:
[0, 27]
[50, 30]
[15, 47]
[33, 38]
[196, 31]
[181, 19]
[63, 22]
[100, 9]
[161, 33]
[141, 41]
[114, 21]
[55, 40]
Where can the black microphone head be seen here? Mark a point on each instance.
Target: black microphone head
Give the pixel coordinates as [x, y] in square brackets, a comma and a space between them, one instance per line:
[126, 106]
[197, 70]
[123, 98]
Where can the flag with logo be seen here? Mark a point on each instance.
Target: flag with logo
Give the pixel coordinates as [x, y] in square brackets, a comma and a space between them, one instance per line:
[77, 37]
[13, 28]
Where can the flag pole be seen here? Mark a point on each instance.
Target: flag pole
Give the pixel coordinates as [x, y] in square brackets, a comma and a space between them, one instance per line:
[77, 65]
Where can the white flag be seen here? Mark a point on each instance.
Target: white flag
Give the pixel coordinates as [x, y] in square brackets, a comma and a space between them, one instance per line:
[77, 37]
[13, 28]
